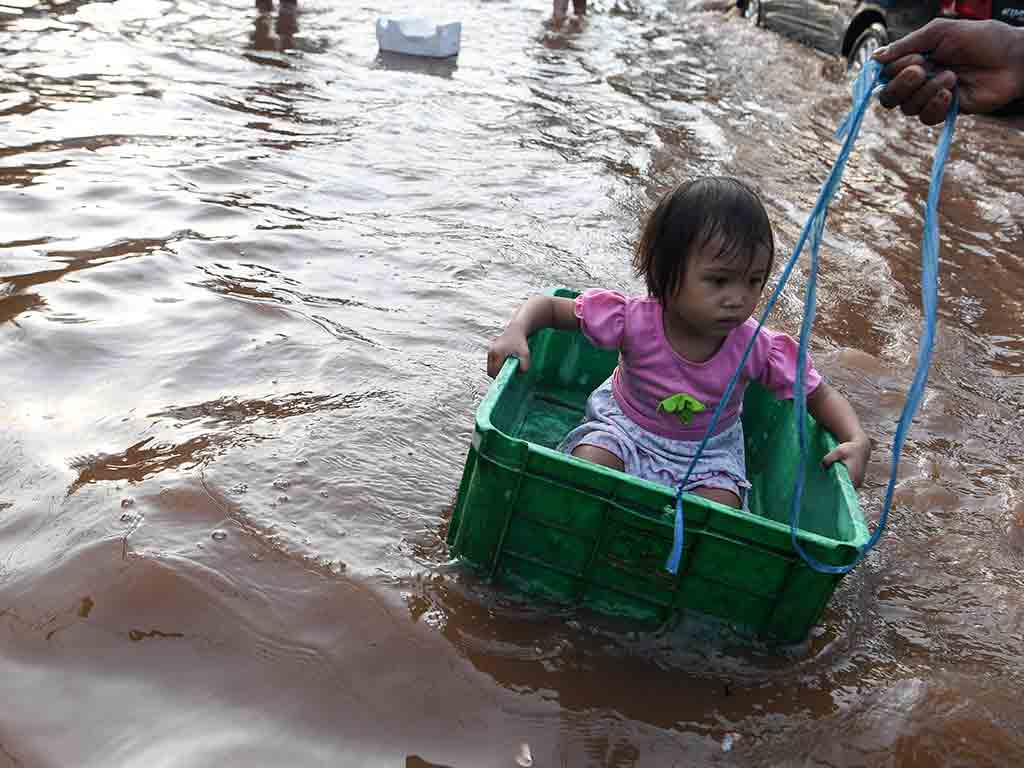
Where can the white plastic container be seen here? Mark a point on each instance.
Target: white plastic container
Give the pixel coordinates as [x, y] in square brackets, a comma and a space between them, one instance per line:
[417, 36]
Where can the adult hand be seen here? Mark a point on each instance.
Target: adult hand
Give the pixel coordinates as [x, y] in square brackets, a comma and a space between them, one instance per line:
[983, 59]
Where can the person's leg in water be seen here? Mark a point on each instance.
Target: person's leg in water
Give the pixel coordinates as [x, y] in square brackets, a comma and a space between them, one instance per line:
[608, 459]
[559, 10]
[287, 23]
[579, 7]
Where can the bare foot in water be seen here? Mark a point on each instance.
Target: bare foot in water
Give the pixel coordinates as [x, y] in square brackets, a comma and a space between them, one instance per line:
[560, 12]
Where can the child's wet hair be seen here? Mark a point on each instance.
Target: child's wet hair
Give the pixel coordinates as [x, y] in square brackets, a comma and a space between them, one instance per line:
[693, 214]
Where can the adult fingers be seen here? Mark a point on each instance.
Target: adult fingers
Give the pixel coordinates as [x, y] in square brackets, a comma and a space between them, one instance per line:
[923, 96]
[912, 89]
[935, 111]
[921, 40]
[903, 85]
[893, 68]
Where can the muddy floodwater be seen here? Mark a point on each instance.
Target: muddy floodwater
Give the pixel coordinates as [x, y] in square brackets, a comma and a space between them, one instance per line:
[249, 270]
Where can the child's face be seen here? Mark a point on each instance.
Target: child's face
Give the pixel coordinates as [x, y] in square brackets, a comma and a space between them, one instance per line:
[719, 293]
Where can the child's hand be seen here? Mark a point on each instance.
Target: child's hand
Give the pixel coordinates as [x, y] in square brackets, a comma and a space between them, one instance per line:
[538, 312]
[854, 454]
[509, 343]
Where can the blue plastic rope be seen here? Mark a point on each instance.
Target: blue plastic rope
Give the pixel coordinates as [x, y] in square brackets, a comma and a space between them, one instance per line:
[864, 87]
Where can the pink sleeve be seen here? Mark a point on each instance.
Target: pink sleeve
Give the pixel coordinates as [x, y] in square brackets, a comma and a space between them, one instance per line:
[602, 316]
[779, 372]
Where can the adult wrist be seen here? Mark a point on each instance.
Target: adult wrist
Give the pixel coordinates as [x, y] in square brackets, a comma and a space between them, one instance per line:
[1015, 56]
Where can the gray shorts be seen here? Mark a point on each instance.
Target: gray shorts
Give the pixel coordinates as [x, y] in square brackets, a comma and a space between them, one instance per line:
[722, 463]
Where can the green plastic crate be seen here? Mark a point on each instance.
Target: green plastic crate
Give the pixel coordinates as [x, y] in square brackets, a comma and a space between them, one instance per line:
[549, 524]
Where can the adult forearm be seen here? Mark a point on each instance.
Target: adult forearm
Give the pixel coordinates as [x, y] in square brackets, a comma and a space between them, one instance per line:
[1017, 58]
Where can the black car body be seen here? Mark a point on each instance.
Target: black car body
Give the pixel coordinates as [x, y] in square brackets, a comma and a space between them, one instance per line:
[853, 29]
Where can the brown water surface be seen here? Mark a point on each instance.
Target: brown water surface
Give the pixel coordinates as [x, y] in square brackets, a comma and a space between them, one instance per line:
[248, 273]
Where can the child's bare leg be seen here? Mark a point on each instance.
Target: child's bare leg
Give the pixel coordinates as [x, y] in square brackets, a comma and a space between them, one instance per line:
[560, 9]
[722, 496]
[579, 7]
[608, 459]
[598, 456]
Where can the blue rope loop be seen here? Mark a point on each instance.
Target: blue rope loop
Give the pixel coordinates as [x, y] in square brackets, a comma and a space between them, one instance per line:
[866, 85]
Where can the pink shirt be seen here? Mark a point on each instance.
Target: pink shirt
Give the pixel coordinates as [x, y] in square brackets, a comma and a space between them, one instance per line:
[650, 370]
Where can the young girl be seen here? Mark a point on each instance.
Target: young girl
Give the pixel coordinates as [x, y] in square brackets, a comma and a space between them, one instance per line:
[706, 253]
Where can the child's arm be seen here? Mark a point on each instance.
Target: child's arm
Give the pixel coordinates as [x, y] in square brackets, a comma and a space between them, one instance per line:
[834, 412]
[538, 312]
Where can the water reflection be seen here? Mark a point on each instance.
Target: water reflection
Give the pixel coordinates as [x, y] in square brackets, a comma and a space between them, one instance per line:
[139, 461]
[423, 65]
[13, 303]
[15, 299]
[231, 412]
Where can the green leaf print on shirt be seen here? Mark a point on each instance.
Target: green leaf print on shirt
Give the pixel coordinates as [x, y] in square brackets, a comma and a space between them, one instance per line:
[682, 405]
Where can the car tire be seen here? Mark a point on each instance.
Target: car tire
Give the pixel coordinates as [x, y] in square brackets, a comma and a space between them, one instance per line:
[871, 39]
[752, 12]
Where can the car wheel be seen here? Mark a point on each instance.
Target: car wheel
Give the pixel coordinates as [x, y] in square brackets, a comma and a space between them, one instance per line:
[752, 11]
[870, 40]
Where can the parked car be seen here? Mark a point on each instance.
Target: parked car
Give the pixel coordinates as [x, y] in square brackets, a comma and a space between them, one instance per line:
[854, 29]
